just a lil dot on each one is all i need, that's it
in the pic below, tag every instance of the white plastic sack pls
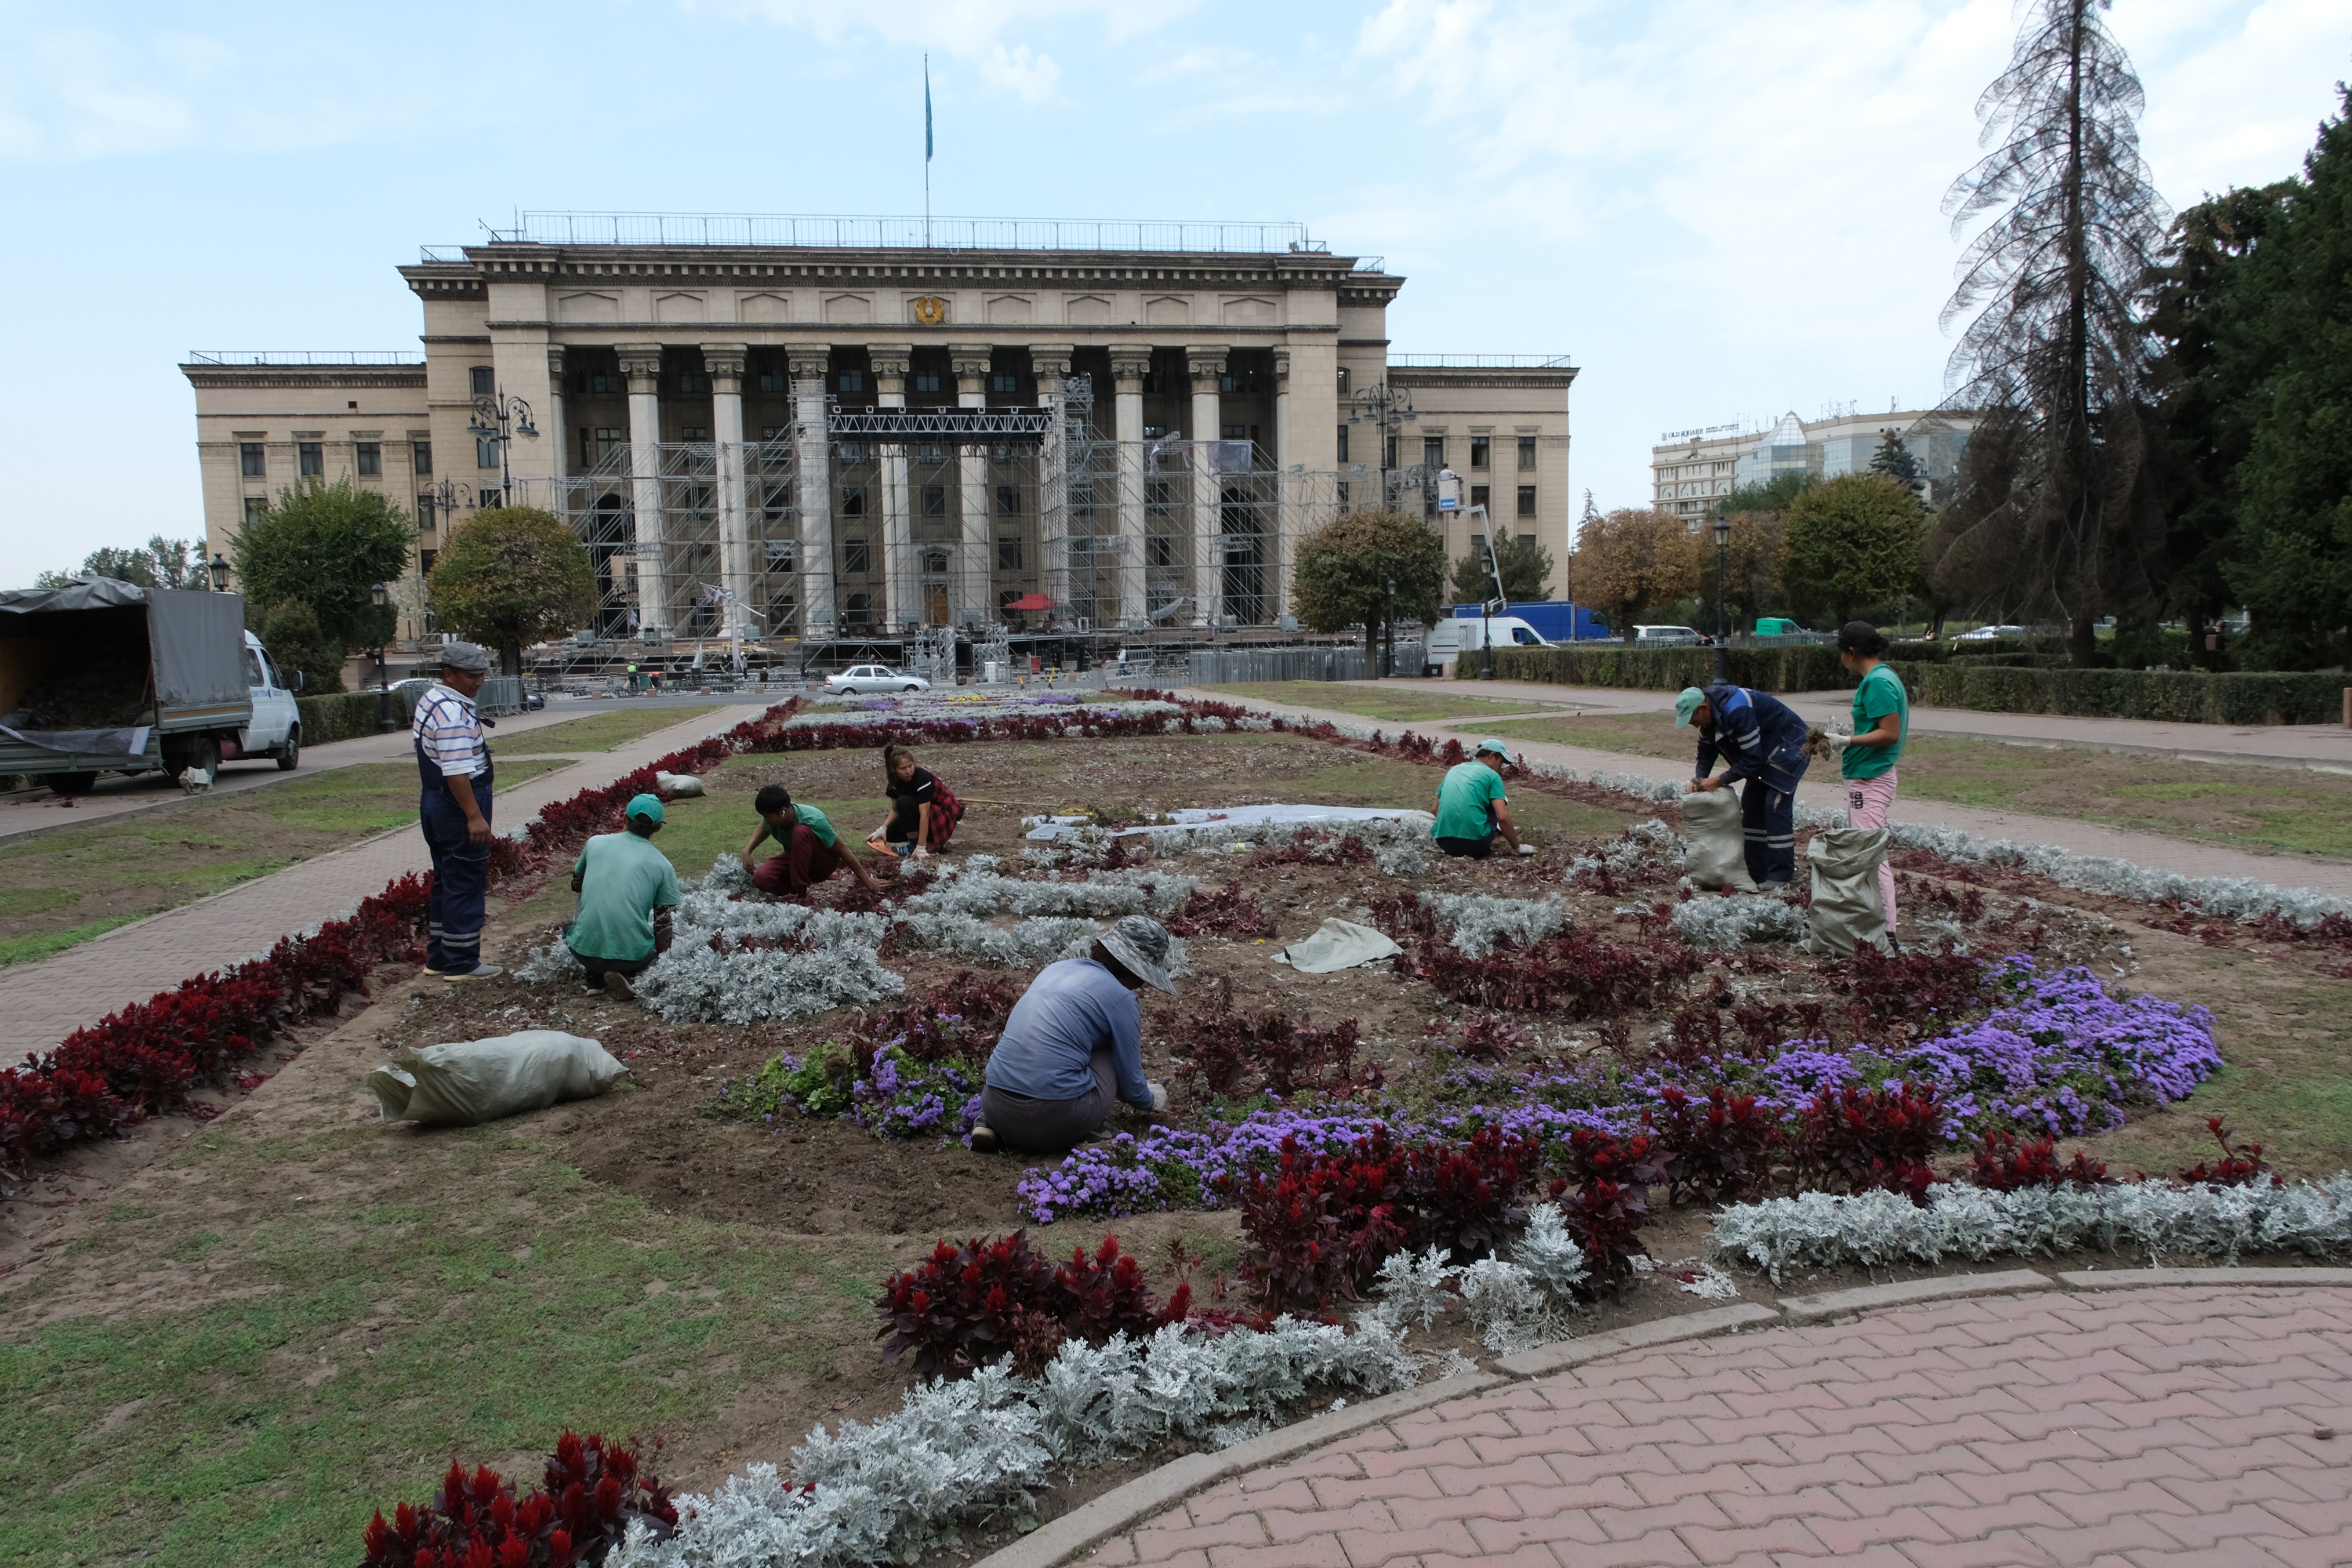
(1719, 841)
(1185, 820)
(1338, 944)
(473, 1082)
(1847, 913)
(678, 786)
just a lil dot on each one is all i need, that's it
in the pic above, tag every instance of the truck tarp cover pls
(196, 639)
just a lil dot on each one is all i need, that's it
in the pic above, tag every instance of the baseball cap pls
(649, 806)
(1495, 747)
(1687, 704)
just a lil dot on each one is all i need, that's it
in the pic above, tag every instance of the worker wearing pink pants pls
(1870, 803)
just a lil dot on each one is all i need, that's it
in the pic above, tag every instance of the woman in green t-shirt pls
(1882, 720)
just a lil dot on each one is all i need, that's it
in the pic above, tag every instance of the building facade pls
(780, 433)
(1690, 471)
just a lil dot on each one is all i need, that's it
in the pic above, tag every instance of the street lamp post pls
(379, 595)
(1722, 607)
(446, 499)
(501, 418)
(1388, 632)
(218, 569)
(1386, 409)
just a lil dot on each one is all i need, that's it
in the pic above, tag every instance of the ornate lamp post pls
(218, 569)
(1722, 609)
(1386, 409)
(447, 498)
(379, 595)
(501, 418)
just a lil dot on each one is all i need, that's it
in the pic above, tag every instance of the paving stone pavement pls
(1822, 790)
(43, 1002)
(2142, 1428)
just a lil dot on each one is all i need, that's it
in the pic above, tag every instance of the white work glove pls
(1527, 848)
(1837, 741)
(1159, 1096)
(920, 852)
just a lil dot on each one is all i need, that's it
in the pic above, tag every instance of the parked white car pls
(1667, 636)
(276, 731)
(1990, 634)
(875, 678)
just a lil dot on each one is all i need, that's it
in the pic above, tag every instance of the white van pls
(1449, 639)
(1667, 636)
(276, 731)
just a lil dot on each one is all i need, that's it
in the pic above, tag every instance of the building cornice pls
(211, 377)
(715, 265)
(1462, 376)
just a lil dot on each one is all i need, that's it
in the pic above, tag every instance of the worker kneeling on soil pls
(811, 850)
(627, 889)
(1762, 742)
(1473, 811)
(1074, 1045)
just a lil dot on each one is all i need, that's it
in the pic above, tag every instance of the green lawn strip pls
(1375, 702)
(2249, 807)
(379, 796)
(597, 731)
(380, 1343)
(24, 948)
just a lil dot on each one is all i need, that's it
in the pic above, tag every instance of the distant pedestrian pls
(1882, 723)
(1474, 809)
(452, 806)
(923, 811)
(627, 889)
(811, 850)
(1762, 743)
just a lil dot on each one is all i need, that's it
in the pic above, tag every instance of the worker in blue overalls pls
(1762, 742)
(453, 766)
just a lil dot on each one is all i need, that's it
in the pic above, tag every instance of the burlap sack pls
(472, 1081)
(1717, 856)
(1846, 911)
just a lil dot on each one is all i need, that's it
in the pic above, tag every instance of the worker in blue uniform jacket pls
(1762, 744)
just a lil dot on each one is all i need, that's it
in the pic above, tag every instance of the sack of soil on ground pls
(1846, 911)
(99, 688)
(473, 1082)
(1717, 839)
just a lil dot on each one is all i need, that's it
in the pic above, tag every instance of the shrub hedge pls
(2173, 695)
(339, 716)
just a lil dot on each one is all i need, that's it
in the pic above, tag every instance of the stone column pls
(1127, 369)
(724, 363)
(902, 579)
(1207, 366)
(813, 464)
(1051, 363)
(975, 581)
(1279, 548)
(641, 363)
(560, 455)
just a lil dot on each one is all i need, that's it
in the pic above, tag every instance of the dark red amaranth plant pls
(963, 1307)
(2241, 1164)
(961, 1017)
(1717, 1149)
(1611, 1203)
(1321, 1225)
(1911, 995)
(1106, 1293)
(2002, 1164)
(1235, 1053)
(1316, 846)
(592, 1491)
(1230, 910)
(1467, 1196)
(1578, 975)
(1855, 1140)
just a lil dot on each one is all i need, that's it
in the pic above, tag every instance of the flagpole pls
(926, 152)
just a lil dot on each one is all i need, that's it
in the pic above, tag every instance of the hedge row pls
(2175, 696)
(340, 716)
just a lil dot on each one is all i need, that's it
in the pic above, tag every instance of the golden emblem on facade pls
(931, 311)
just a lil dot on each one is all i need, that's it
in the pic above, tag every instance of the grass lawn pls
(597, 731)
(66, 888)
(1376, 701)
(2251, 807)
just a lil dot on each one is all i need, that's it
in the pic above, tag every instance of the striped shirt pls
(450, 733)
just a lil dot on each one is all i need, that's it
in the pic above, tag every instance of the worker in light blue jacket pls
(1762, 743)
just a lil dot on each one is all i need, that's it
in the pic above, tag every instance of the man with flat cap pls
(453, 766)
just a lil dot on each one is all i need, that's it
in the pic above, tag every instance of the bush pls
(1854, 1140)
(342, 717)
(1468, 1196)
(967, 1305)
(1793, 667)
(1718, 1150)
(1321, 1225)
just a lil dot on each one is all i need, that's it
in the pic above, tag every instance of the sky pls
(1723, 210)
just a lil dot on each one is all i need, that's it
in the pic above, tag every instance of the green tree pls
(2293, 561)
(290, 632)
(1346, 568)
(327, 546)
(1633, 560)
(1525, 567)
(1852, 543)
(1894, 459)
(510, 576)
(160, 563)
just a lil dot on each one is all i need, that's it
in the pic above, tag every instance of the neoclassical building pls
(854, 429)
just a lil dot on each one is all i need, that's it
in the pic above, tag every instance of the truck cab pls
(276, 730)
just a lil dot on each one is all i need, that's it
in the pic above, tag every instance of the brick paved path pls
(1822, 790)
(43, 1002)
(2143, 1426)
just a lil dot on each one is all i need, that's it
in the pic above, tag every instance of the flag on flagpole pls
(926, 108)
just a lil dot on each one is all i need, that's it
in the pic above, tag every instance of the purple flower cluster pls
(2060, 1055)
(901, 1097)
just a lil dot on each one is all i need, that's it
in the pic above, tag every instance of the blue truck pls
(1556, 620)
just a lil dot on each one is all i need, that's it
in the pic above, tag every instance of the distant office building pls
(1690, 471)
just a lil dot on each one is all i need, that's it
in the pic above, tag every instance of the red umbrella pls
(1031, 602)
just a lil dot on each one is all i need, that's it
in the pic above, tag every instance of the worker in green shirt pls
(627, 889)
(1882, 720)
(812, 851)
(1472, 809)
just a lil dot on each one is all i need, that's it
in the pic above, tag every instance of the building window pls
(422, 454)
(368, 455)
(930, 452)
(852, 452)
(1389, 456)
(1432, 450)
(1160, 551)
(1008, 500)
(250, 461)
(486, 452)
(425, 559)
(1526, 451)
(425, 512)
(1003, 381)
(693, 380)
(854, 555)
(1343, 443)
(935, 500)
(255, 508)
(310, 459)
(1008, 552)
(1343, 495)
(1234, 432)
(610, 439)
(774, 432)
(1527, 541)
(774, 380)
(485, 380)
(927, 381)
(852, 381)
(1343, 381)
(853, 501)
(608, 383)
(935, 562)
(1481, 451)
(1482, 495)
(858, 609)
(694, 432)
(1527, 500)
(780, 554)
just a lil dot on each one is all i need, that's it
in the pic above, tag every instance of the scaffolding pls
(895, 529)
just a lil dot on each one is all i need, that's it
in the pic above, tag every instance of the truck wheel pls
(73, 783)
(289, 755)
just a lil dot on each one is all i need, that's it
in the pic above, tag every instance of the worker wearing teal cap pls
(627, 889)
